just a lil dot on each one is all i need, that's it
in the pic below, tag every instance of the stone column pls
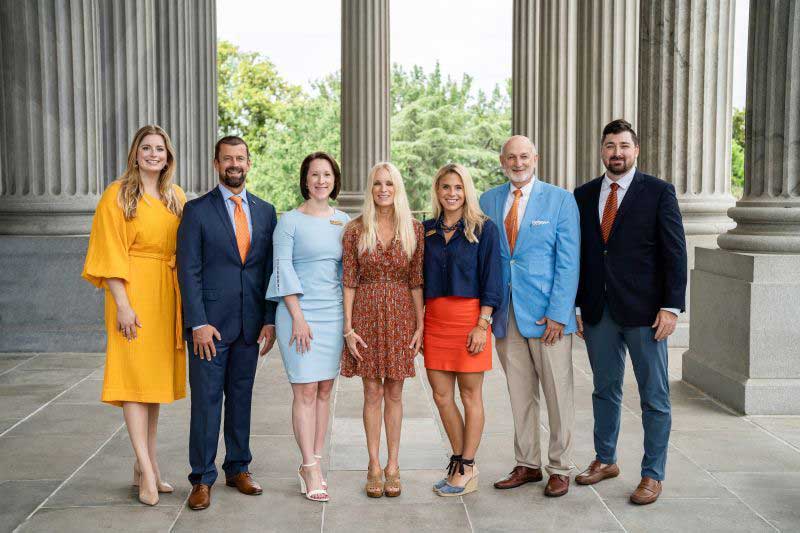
(744, 296)
(685, 84)
(186, 40)
(544, 93)
(608, 68)
(686, 79)
(128, 58)
(50, 110)
(365, 95)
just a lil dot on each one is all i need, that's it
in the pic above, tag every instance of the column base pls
(46, 306)
(350, 202)
(743, 348)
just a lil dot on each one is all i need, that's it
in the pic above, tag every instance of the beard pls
(618, 167)
(233, 180)
(516, 177)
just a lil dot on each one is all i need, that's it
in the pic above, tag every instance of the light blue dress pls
(308, 263)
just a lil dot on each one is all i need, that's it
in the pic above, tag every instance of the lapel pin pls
(337, 222)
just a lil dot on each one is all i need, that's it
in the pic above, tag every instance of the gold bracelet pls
(352, 330)
(478, 325)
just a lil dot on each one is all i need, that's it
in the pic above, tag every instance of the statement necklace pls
(459, 223)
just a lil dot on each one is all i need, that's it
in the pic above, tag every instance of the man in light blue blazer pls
(540, 252)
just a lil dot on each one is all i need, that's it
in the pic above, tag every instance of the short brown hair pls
(619, 126)
(306, 164)
(230, 140)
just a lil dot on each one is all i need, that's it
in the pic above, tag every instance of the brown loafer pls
(648, 491)
(200, 498)
(245, 483)
(557, 485)
(519, 476)
(596, 472)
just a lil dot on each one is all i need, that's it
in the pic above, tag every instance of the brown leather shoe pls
(557, 485)
(519, 476)
(200, 498)
(245, 483)
(597, 471)
(648, 491)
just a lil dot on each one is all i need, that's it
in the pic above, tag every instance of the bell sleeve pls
(416, 266)
(284, 280)
(107, 255)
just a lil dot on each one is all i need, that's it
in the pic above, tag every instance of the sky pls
(466, 36)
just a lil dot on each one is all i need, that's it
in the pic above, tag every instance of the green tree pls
(737, 153)
(437, 121)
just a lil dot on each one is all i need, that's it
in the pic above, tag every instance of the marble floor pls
(65, 463)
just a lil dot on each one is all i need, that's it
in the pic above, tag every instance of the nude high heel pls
(324, 482)
(162, 486)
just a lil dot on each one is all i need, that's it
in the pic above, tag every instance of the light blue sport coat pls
(542, 275)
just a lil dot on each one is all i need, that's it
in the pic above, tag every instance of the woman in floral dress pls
(382, 253)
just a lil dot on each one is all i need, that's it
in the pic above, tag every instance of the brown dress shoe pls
(200, 498)
(245, 483)
(597, 471)
(557, 485)
(648, 491)
(519, 476)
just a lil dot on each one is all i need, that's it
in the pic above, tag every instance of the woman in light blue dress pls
(307, 284)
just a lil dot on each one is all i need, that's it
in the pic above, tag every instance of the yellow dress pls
(141, 251)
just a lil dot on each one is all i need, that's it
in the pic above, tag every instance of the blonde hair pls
(403, 221)
(132, 188)
(472, 215)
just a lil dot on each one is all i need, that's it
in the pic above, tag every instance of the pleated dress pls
(308, 263)
(141, 252)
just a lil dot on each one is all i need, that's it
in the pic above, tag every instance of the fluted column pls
(128, 58)
(685, 84)
(365, 95)
(50, 112)
(186, 42)
(544, 94)
(768, 215)
(608, 64)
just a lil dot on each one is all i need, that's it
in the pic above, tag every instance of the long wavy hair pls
(403, 221)
(473, 216)
(132, 188)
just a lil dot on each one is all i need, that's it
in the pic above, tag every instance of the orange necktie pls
(240, 225)
(609, 212)
(511, 221)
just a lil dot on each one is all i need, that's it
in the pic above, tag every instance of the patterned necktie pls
(609, 212)
(240, 225)
(511, 221)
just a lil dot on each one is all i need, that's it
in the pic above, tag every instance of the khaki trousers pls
(527, 364)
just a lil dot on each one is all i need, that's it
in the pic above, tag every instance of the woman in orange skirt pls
(462, 288)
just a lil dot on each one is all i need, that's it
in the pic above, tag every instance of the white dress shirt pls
(605, 190)
(523, 200)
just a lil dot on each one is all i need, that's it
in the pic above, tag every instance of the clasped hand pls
(554, 331)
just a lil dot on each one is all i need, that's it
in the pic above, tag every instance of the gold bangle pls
(478, 325)
(352, 330)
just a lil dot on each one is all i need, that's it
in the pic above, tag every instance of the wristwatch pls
(487, 318)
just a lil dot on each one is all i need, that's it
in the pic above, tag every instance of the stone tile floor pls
(65, 463)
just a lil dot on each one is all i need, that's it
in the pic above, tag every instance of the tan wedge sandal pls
(392, 488)
(374, 487)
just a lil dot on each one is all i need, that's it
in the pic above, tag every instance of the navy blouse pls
(463, 268)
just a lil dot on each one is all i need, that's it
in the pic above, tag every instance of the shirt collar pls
(624, 182)
(526, 189)
(226, 193)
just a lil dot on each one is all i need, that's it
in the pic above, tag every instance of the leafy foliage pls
(737, 153)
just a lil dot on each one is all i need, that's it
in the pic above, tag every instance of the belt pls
(171, 263)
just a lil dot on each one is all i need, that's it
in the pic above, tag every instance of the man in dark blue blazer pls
(224, 260)
(632, 288)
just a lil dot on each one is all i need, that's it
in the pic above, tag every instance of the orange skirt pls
(448, 321)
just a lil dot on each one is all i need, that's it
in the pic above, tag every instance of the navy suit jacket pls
(642, 268)
(216, 288)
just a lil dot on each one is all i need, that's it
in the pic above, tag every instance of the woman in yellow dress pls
(132, 256)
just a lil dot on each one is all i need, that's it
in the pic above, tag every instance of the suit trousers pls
(230, 374)
(529, 363)
(606, 342)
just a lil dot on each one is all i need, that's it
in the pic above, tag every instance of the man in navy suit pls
(224, 260)
(632, 288)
